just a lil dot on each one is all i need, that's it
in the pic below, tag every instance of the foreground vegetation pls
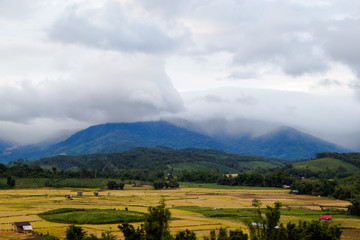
(199, 210)
(268, 227)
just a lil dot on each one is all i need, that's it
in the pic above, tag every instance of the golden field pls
(24, 205)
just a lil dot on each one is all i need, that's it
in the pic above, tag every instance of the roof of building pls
(20, 224)
(325, 217)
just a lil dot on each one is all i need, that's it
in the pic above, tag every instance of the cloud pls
(86, 62)
(18, 9)
(340, 39)
(240, 75)
(329, 82)
(112, 27)
(102, 89)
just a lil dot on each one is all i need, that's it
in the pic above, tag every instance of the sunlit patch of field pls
(25, 204)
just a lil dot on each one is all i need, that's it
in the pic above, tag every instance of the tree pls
(237, 235)
(354, 208)
(155, 227)
(107, 236)
(75, 233)
(266, 228)
(130, 233)
(173, 183)
(156, 224)
(185, 235)
(159, 184)
(10, 181)
(114, 185)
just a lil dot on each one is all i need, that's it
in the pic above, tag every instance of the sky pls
(227, 66)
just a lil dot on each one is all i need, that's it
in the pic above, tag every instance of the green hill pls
(160, 158)
(331, 164)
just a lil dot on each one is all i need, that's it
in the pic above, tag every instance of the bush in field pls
(354, 208)
(75, 233)
(185, 235)
(10, 181)
(161, 183)
(114, 185)
(46, 236)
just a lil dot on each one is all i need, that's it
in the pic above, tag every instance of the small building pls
(286, 187)
(294, 192)
(325, 218)
(68, 195)
(96, 194)
(23, 227)
(109, 193)
(138, 184)
(79, 193)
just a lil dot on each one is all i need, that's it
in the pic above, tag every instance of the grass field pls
(196, 208)
(91, 216)
(318, 165)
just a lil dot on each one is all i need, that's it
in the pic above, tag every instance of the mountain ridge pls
(284, 142)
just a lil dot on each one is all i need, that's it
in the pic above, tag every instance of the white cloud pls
(271, 63)
(112, 27)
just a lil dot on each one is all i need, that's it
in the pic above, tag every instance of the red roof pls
(325, 217)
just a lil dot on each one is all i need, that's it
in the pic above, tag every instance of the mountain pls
(5, 147)
(286, 143)
(289, 143)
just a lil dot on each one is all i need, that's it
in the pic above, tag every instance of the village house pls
(294, 192)
(23, 227)
(325, 218)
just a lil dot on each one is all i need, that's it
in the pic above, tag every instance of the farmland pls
(196, 208)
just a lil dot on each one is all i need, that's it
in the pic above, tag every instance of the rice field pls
(198, 209)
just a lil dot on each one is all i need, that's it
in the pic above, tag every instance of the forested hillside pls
(159, 158)
(352, 158)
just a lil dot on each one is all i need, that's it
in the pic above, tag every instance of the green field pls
(247, 214)
(202, 166)
(91, 216)
(318, 165)
(217, 186)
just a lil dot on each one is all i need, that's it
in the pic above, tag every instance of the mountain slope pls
(116, 137)
(4, 146)
(331, 164)
(289, 143)
(286, 143)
